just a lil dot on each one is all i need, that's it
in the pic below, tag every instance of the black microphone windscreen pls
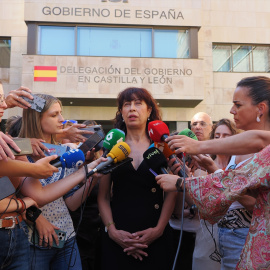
(155, 159)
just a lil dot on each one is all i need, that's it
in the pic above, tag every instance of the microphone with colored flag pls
(165, 149)
(151, 145)
(168, 153)
(189, 133)
(155, 160)
(71, 159)
(158, 131)
(118, 153)
(113, 137)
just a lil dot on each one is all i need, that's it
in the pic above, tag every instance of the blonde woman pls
(46, 125)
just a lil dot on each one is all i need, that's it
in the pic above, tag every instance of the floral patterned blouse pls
(213, 194)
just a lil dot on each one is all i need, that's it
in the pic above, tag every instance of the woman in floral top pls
(251, 111)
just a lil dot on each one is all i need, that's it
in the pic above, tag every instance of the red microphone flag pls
(158, 131)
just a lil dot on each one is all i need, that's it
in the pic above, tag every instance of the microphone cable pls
(82, 207)
(182, 216)
(215, 255)
(13, 198)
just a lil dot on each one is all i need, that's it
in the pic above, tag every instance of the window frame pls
(253, 45)
(10, 39)
(36, 36)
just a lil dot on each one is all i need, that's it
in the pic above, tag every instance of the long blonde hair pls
(31, 119)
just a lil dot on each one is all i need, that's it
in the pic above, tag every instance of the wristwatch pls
(179, 183)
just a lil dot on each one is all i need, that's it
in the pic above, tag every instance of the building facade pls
(188, 54)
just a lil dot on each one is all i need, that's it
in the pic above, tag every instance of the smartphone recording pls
(37, 103)
(94, 128)
(24, 144)
(92, 142)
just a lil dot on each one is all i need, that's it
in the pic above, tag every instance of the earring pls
(258, 119)
(148, 119)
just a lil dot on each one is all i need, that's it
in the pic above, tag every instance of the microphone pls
(151, 145)
(189, 133)
(168, 153)
(113, 137)
(155, 160)
(71, 159)
(165, 149)
(158, 131)
(118, 153)
(110, 168)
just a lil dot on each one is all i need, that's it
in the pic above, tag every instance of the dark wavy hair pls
(13, 125)
(258, 89)
(133, 93)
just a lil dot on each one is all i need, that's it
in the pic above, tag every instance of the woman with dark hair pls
(251, 111)
(13, 125)
(136, 216)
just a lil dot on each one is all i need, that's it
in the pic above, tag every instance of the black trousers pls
(184, 260)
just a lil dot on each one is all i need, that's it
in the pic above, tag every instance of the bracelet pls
(23, 205)
(179, 183)
(86, 170)
(108, 225)
(18, 206)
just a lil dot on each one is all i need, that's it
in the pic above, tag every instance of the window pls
(171, 43)
(97, 41)
(109, 41)
(241, 58)
(56, 40)
(5, 48)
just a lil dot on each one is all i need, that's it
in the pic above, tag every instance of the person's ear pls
(262, 108)
(149, 111)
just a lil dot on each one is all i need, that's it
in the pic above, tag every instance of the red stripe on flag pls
(45, 79)
(45, 68)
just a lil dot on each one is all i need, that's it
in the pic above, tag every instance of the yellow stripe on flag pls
(45, 73)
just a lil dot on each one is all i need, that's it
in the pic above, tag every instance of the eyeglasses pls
(201, 123)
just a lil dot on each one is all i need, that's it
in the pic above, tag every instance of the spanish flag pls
(45, 73)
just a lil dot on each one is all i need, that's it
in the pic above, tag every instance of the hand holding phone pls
(15, 98)
(24, 144)
(5, 143)
(37, 103)
(91, 143)
(94, 128)
(61, 235)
